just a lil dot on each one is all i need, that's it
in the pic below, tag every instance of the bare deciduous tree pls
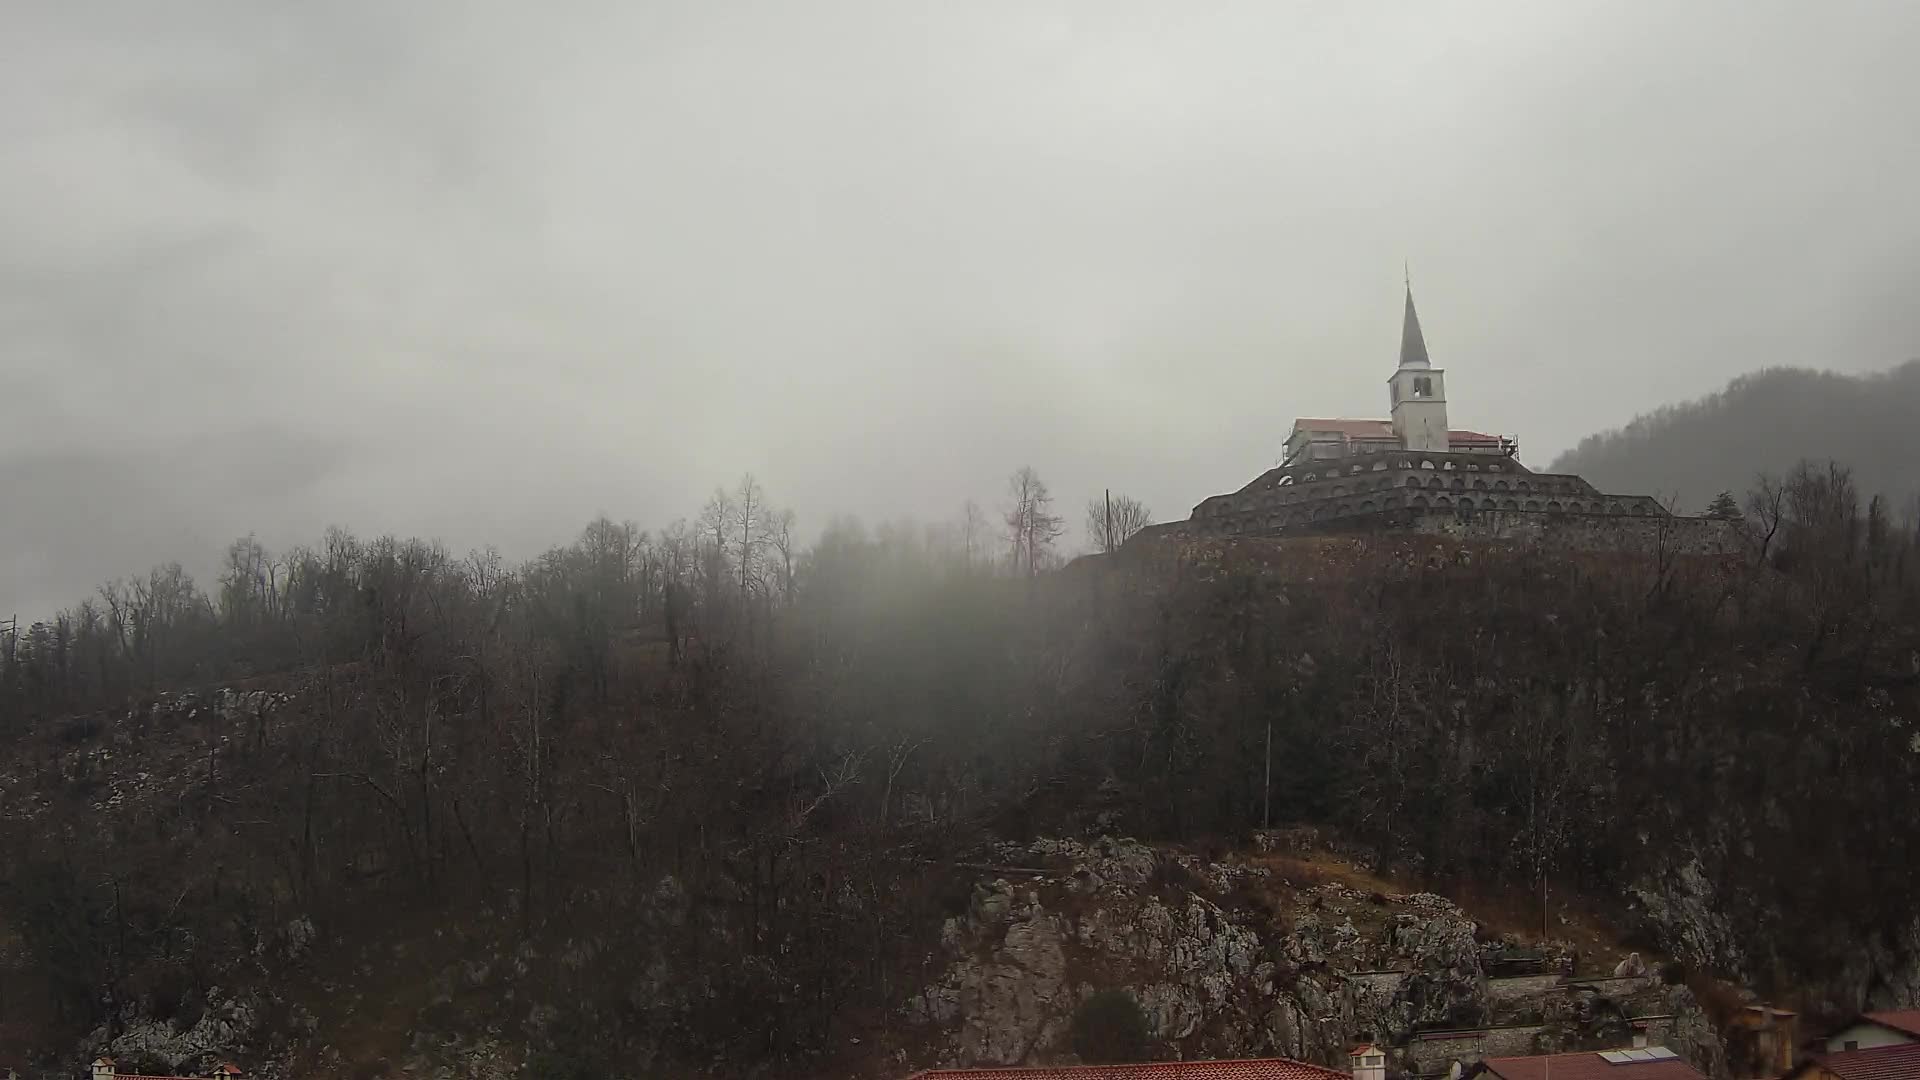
(1112, 520)
(778, 535)
(749, 519)
(715, 529)
(1032, 526)
(973, 530)
(1766, 505)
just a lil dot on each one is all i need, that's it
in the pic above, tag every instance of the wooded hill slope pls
(1764, 423)
(714, 824)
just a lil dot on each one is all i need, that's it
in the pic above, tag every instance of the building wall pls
(1420, 420)
(1869, 1036)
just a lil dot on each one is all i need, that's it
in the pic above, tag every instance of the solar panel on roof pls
(1615, 1057)
(1661, 1053)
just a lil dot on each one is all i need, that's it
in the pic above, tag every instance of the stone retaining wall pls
(1586, 532)
(1618, 986)
(1430, 1053)
(1514, 988)
(1642, 534)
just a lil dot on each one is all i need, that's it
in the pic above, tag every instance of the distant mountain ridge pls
(1763, 423)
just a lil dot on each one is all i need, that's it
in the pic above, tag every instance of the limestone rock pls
(1684, 907)
(1693, 1036)
(1010, 1004)
(224, 1026)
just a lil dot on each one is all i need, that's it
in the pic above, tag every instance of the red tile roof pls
(1588, 1066)
(228, 1069)
(1382, 429)
(1900, 1062)
(1264, 1069)
(1353, 429)
(1907, 1020)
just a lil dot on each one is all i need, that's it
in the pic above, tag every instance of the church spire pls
(1413, 344)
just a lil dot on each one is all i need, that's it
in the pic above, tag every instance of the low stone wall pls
(1372, 993)
(1514, 988)
(1378, 982)
(1586, 532)
(1644, 533)
(1431, 1053)
(1618, 986)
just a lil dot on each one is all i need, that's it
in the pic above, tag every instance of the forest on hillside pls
(743, 769)
(1763, 423)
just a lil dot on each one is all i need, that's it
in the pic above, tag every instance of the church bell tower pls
(1419, 391)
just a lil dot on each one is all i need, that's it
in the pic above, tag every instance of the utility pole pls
(1106, 540)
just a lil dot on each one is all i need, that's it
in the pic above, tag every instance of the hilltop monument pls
(1414, 470)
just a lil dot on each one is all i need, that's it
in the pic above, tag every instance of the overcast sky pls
(483, 270)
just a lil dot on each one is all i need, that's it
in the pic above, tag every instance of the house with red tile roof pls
(1260, 1069)
(1640, 1063)
(1868, 1031)
(1368, 1063)
(1899, 1061)
(105, 1068)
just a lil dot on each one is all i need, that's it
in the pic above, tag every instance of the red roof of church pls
(1588, 1066)
(1381, 429)
(1901, 1062)
(1264, 1069)
(1352, 429)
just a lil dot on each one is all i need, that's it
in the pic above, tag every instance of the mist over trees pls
(751, 767)
(1763, 423)
(703, 583)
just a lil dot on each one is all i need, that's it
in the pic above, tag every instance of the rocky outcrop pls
(1226, 959)
(222, 1028)
(1210, 978)
(1711, 926)
(1010, 1001)
(1692, 1035)
(1683, 905)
